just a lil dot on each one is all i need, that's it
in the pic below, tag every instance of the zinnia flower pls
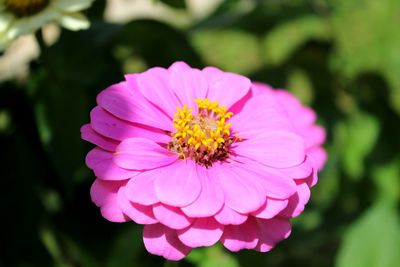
(202, 156)
(19, 17)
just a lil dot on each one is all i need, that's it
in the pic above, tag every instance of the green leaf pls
(281, 42)
(355, 140)
(126, 248)
(367, 39)
(387, 180)
(62, 89)
(232, 50)
(374, 240)
(49, 239)
(300, 84)
(5, 121)
(213, 256)
(147, 50)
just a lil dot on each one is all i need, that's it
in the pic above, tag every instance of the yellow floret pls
(197, 136)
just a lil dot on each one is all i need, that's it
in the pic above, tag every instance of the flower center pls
(205, 137)
(22, 8)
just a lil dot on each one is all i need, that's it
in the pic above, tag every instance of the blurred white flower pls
(20, 17)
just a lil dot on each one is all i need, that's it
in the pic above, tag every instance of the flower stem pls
(171, 263)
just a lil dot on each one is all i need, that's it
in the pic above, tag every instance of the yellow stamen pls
(203, 137)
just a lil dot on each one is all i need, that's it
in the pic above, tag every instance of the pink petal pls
(102, 190)
(171, 216)
(126, 102)
(271, 208)
(297, 202)
(318, 156)
(142, 154)
(300, 171)
(271, 232)
(154, 85)
(260, 115)
(238, 188)
(104, 195)
(179, 66)
(314, 136)
(211, 198)
(228, 216)
(141, 190)
(138, 213)
(188, 85)
(273, 181)
(237, 237)
(178, 185)
(300, 114)
(162, 241)
(88, 134)
(110, 126)
(265, 94)
(259, 89)
(225, 87)
(102, 163)
(277, 149)
(313, 179)
(203, 232)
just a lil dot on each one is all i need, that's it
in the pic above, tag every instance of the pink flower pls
(202, 156)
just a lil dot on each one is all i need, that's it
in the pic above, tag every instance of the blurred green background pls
(342, 57)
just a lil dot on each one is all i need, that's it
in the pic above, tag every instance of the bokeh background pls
(341, 57)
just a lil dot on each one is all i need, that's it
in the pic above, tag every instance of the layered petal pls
(102, 163)
(104, 195)
(203, 232)
(243, 236)
(300, 171)
(258, 116)
(188, 84)
(297, 202)
(142, 154)
(152, 84)
(171, 216)
(88, 134)
(259, 89)
(112, 127)
(141, 189)
(314, 135)
(211, 198)
(126, 102)
(225, 87)
(138, 213)
(270, 208)
(178, 185)
(270, 232)
(162, 241)
(274, 182)
(318, 156)
(229, 216)
(237, 188)
(279, 149)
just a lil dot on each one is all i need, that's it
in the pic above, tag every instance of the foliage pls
(341, 57)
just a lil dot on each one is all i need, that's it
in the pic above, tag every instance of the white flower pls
(19, 17)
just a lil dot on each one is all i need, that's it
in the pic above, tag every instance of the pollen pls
(204, 136)
(22, 8)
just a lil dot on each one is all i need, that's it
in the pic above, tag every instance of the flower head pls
(20, 17)
(202, 156)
